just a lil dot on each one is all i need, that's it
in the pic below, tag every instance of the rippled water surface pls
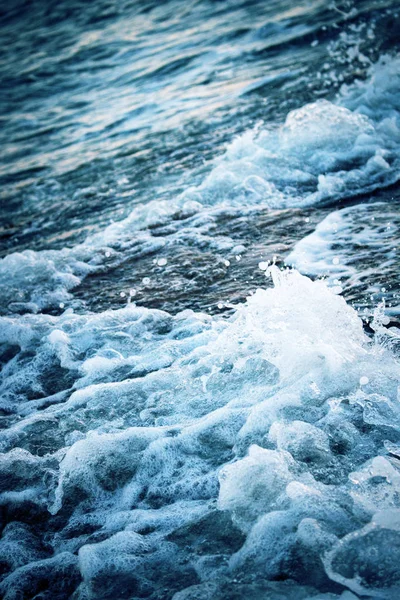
(182, 415)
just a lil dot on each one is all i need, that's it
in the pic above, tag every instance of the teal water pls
(179, 419)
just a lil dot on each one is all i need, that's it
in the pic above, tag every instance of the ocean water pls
(199, 300)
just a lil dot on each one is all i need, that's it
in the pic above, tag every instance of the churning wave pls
(196, 452)
(323, 152)
(250, 450)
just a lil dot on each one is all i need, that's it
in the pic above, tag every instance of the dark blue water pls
(179, 419)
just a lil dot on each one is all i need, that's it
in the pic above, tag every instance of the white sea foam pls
(351, 247)
(324, 151)
(200, 449)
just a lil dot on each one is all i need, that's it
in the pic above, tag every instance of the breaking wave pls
(323, 152)
(194, 453)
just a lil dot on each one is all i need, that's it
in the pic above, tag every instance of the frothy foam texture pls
(349, 245)
(151, 456)
(323, 152)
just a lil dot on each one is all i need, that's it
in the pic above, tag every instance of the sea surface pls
(200, 300)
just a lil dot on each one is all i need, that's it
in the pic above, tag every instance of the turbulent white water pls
(324, 151)
(249, 451)
(278, 428)
(352, 246)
